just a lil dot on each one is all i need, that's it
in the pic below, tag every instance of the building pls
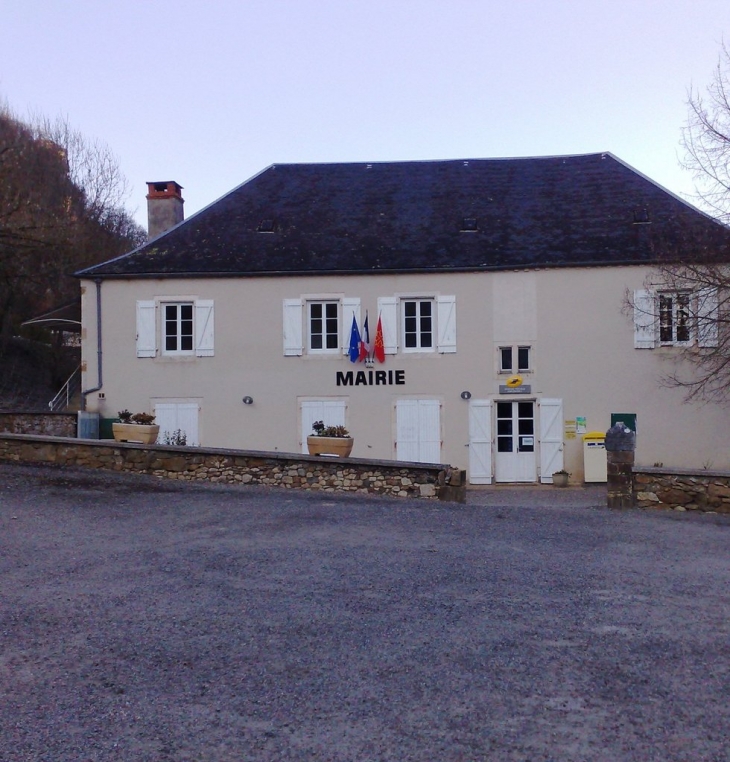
(500, 287)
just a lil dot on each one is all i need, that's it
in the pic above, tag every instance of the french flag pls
(365, 340)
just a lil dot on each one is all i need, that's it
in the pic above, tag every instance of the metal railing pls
(62, 400)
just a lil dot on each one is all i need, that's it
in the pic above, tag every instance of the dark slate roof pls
(431, 216)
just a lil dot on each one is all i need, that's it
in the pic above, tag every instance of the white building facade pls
(498, 366)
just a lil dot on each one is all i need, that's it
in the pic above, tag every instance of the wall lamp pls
(248, 400)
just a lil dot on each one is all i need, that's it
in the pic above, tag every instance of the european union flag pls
(354, 341)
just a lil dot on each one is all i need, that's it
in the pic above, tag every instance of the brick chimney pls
(164, 207)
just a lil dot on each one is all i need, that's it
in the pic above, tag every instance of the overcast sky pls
(210, 93)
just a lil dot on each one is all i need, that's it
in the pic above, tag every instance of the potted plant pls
(560, 478)
(329, 440)
(135, 427)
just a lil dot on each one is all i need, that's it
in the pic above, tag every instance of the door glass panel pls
(504, 427)
(526, 426)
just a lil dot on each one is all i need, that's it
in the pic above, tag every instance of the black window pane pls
(504, 444)
(504, 410)
(523, 358)
(504, 427)
(506, 359)
(526, 426)
(524, 409)
(666, 331)
(170, 343)
(186, 343)
(186, 311)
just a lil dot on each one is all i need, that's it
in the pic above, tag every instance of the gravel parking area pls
(147, 620)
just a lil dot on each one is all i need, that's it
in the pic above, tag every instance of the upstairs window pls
(515, 359)
(319, 324)
(175, 328)
(178, 328)
(674, 318)
(324, 332)
(418, 324)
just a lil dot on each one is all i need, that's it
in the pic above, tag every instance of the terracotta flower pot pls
(135, 432)
(340, 446)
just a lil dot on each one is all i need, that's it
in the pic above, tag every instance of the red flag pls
(379, 350)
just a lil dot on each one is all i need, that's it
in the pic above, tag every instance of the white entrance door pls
(480, 442)
(551, 438)
(515, 458)
(331, 412)
(175, 417)
(418, 431)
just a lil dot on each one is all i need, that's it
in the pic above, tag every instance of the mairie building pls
(470, 312)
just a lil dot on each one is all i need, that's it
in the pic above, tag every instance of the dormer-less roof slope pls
(431, 216)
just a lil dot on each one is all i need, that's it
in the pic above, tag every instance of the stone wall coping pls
(694, 472)
(227, 452)
(55, 413)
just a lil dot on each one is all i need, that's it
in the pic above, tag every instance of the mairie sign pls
(371, 378)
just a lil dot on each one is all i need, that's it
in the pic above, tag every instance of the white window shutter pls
(146, 329)
(429, 434)
(645, 321)
(204, 328)
(293, 327)
(480, 441)
(388, 312)
(707, 314)
(406, 434)
(446, 319)
(350, 307)
(166, 419)
(187, 422)
(551, 438)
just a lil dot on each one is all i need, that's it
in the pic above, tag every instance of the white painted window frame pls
(703, 318)
(150, 323)
(391, 313)
(297, 339)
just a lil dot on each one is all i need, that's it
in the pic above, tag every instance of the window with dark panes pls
(178, 328)
(324, 326)
(418, 324)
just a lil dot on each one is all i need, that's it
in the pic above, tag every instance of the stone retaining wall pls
(291, 470)
(48, 424)
(685, 490)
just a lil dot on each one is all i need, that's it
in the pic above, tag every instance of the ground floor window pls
(332, 411)
(178, 422)
(418, 430)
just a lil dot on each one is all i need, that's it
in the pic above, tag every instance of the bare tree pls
(706, 140)
(61, 209)
(683, 310)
